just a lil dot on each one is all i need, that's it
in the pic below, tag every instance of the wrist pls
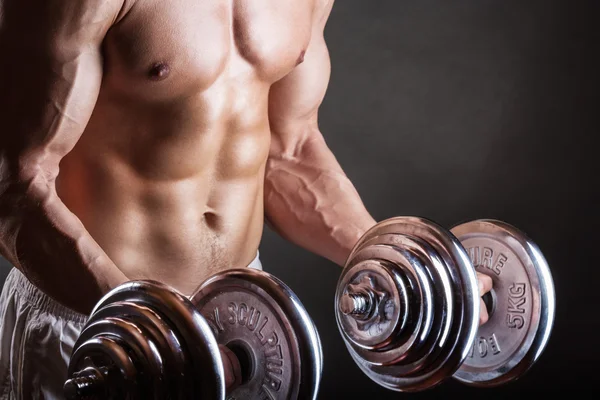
(353, 234)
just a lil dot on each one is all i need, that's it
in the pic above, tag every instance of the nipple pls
(159, 71)
(301, 58)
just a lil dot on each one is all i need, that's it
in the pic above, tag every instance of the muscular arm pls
(50, 74)
(308, 198)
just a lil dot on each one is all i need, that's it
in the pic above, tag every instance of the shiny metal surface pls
(90, 383)
(423, 332)
(154, 343)
(359, 304)
(104, 352)
(260, 318)
(518, 330)
(380, 299)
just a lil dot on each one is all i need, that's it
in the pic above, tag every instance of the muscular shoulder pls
(59, 20)
(88, 14)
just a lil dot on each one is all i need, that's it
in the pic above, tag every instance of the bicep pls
(50, 75)
(294, 101)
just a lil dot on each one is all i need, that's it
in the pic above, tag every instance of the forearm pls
(49, 244)
(311, 202)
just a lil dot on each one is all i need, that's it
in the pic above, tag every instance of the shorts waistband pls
(256, 264)
(40, 300)
(30, 293)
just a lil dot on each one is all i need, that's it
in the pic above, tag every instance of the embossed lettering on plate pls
(485, 257)
(243, 320)
(502, 335)
(485, 346)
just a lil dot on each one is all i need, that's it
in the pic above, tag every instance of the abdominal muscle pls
(170, 193)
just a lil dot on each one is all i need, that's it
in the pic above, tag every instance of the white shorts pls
(37, 335)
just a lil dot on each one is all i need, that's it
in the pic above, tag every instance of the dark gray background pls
(456, 110)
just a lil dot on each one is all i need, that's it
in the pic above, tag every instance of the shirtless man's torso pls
(171, 123)
(168, 174)
(148, 139)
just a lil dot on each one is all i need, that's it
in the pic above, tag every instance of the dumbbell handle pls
(92, 383)
(360, 305)
(356, 304)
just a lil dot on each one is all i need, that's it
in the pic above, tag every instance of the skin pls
(152, 140)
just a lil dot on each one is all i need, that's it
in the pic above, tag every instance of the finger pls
(485, 283)
(483, 314)
(231, 367)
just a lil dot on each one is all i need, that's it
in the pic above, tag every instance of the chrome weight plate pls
(145, 341)
(407, 304)
(264, 323)
(522, 302)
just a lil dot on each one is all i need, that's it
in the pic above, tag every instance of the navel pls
(159, 71)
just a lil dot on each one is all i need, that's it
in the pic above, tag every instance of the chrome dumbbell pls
(407, 303)
(146, 341)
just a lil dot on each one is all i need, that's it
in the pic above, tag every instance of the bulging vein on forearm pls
(315, 207)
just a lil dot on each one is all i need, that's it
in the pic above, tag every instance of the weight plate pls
(443, 303)
(372, 307)
(150, 340)
(157, 339)
(262, 321)
(523, 291)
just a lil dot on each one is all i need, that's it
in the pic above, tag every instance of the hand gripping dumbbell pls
(407, 303)
(144, 340)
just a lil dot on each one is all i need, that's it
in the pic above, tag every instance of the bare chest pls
(173, 46)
